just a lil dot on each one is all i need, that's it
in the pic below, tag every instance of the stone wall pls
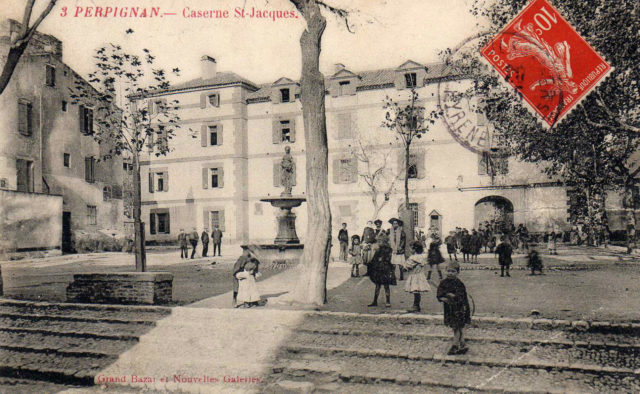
(121, 288)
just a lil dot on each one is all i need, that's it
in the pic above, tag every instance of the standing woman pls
(381, 271)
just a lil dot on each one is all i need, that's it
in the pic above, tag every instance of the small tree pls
(376, 172)
(409, 122)
(18, 43)
(128, 120)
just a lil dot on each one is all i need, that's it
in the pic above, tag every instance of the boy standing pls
(457, 313)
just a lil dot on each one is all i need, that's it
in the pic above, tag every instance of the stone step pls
(70, 333)
(153, 309)
(77, 312)
(559, 357)
(510, 328)
(69, 343)
(450, 372)
(53, 367)
(21, 386)
(291, 384)
(46, 323)
(80, 319)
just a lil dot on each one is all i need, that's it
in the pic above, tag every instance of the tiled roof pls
(368, 80)
(221, 78)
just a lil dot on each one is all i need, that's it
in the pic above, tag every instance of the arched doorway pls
(496, 210)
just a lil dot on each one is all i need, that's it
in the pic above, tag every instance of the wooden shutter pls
(336, 171)
(152, 223)
(23, 118)
(421, 215)
(219, 129)
(292, 130)
(205, 218)
(203, 100)
(151, 188)
(420, 164)
(204, 135)
(168, 224)
(277, 177)
(81, 117)
(221, 219)
(276, 132)
(220, 177)
(166, 180)
(205, 178)
(353, 170)
(217, 100)
(87, 169)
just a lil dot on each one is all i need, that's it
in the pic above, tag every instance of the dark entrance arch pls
(496, 210)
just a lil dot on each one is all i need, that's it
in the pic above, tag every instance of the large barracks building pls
(226, 157)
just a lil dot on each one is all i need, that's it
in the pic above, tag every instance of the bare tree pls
(18, 43)
(376, 172)
(129, 82)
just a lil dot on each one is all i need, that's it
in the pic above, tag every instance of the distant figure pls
(504, 252)
(343, 239)
(450, 241)
(184, 250)
(457, 313)
(551, 243)
(368, 242)
(216, 238)
(434, 256)
(288, 168)
(355, 256)
(534, 262)
(205, 242)
(248, 294)
(397, 241)
(193, 239)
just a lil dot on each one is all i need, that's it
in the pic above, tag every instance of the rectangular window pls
(64, 106)
(410, 80)
(92, 215)
(415, 209)
(66, 160)
(50, 75)
(86, 119)
(160, 182)
(163, 140)
(214, 100)
(162, 222)
(342, 87)
(284, 96)
(24, 176)
(285, 127)
(213, 135)
(89, 169)
(25, 115)
(345, 170)
(214, 177)
(215, 219)
(413, 166)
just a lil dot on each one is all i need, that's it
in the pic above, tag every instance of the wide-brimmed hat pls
(400, 222)
(377, 222)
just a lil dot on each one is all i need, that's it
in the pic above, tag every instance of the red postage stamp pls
(545, 59)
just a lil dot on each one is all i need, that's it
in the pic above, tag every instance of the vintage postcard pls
(331, 196)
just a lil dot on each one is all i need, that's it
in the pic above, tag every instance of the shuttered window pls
(89, 169)
(345, 170)
(86, 119)
(410, 80)
(283, 131)
(92, 215)
(50, 75)
(25, 125)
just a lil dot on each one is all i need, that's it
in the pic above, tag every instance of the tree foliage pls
(593, 148)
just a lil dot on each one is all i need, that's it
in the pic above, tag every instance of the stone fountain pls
(286, 247)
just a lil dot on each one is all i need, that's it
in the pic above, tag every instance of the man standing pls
(343, 238)
(216, 237)
(205, 242)
(397, 241)
(182, 239)
(193, 239)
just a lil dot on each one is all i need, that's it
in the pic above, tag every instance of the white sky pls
(387, 32)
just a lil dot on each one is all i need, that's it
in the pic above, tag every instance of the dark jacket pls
(368, 236)
(504, 252)
(193, 237)
(399, 244)
(182, 239)
(239, 266)
(381, 271)
(216, 236)
(457, 312)
(343, 235)
(204, 238)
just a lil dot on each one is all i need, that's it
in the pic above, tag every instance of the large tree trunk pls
(311, 287)
(405, 213)
(138, 227)
(9, 67)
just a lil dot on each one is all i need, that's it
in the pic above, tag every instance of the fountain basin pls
(276, 255)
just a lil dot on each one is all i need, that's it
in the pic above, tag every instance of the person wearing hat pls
(381, 271)
(184, 249)
(434, 256)
(457, 313)
(397, 241)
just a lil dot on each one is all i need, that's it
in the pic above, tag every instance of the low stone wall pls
(121, 288)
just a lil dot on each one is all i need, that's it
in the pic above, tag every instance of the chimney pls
(208, 67)
(338, 67)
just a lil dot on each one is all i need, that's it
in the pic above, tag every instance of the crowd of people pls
(192, 239)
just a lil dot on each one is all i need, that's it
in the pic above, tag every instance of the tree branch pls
(339, 12)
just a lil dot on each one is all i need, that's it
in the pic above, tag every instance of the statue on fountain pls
(288, 172)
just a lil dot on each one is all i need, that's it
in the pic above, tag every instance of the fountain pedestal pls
(286, 247)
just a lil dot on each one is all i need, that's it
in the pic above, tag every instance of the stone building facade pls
(226, 158)
(46, 146)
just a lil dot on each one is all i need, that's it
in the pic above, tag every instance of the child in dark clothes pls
(457, 313)
(534, 262)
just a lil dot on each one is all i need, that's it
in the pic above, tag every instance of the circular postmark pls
(461, 111)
